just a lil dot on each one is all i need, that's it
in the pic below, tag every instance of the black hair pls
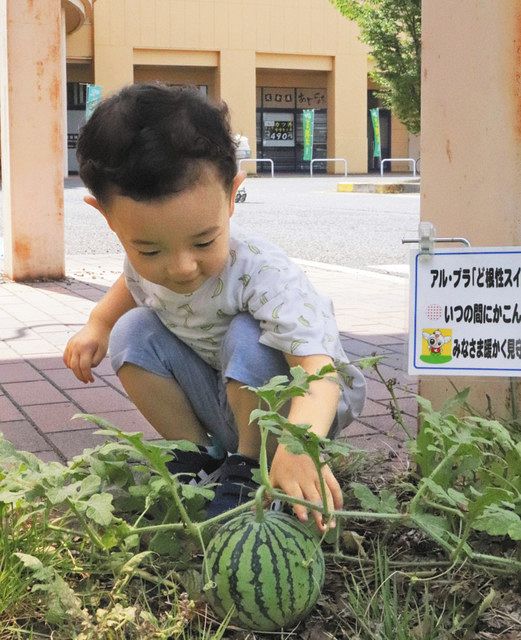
(150, 141)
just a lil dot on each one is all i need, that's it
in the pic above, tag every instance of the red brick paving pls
(39, 395)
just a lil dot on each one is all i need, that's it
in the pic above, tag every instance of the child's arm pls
(296, 474)
(88, 347)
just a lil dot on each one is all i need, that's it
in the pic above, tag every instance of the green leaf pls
(489, 498)
(438, 525)
(425, 405)
(99, 508)
(496, 521)
(385, 502)
(456, 402)
(57, 495)
(30, 562)
(189, 492)
(514, 531)
(292, 444)
(370, 362)
(336, 448)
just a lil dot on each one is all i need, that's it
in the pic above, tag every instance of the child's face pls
(178, 242)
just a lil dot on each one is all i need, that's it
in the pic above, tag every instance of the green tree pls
(392, 30)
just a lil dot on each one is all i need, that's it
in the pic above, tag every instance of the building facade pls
(268, 59)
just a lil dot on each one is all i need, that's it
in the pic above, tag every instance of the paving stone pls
(356, 429)
(39, 392)
(377, 390)
(100, 399)
(49, 456)
(23, 435)
(130, 421)
(65, 379)
(386, 424)
(114, 381)
(18, 372)
(104, 368)
(45, 362)
(33, 347)
(407, 405)
(373, 443)
(55, 417)
(73, 444)
(8, 411)
(372, 408)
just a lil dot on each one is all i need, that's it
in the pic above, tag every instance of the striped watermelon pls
(271, 571)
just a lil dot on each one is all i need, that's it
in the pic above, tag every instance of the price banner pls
(375, 119)
(308, 120)
(465, 312)
(94, 92)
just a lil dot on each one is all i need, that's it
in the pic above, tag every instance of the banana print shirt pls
(259, 279)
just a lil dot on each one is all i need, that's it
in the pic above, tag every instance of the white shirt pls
(259, 279)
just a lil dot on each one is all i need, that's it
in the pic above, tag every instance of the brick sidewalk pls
(38, 395)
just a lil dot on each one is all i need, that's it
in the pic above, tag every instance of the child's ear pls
(92, 202)
(237, 181)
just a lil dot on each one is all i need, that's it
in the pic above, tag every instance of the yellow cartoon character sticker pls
(436, 346)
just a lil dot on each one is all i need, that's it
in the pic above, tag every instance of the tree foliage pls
(392, 30)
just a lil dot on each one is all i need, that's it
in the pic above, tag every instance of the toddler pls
(200, 310)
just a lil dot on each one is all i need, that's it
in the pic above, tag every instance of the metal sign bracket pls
(427, 238)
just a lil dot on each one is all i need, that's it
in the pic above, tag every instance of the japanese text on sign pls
(466, 312)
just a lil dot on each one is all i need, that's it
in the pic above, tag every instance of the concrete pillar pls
(471, 139)
(31, 99)
(236, 82)
(347, 113)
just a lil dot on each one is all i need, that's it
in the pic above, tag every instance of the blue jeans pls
(140, 338)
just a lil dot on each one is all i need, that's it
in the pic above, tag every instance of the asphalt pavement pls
(306, 216)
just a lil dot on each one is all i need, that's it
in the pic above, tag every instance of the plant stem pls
(444, 545)
(226, 515)
(92, 534)
(263, 459)
(259, 503)
(424, 486)
(64, 530)
(368, 515)
(318, 467)
(515, 565)
(173, 484)
(394, 401)
(396, 564)
(141, 573)
(442, 507)
(364, 515)
(462, 541)
(173, 526)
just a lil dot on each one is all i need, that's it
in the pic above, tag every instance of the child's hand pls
(86, 349)
(296, 475)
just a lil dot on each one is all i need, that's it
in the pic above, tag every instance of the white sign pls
(465, 312)
(278, 130)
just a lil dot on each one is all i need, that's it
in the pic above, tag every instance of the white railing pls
(259, 160)
(327, 160)
(411, 160)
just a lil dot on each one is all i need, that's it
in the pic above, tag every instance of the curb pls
(373, 187)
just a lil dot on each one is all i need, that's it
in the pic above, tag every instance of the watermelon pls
(269, 571)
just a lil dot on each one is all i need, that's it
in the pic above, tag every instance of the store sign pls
(278, 130)
(465, 311)
(93, 99)
(311, 99)
(308, 120)
(278, 98)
